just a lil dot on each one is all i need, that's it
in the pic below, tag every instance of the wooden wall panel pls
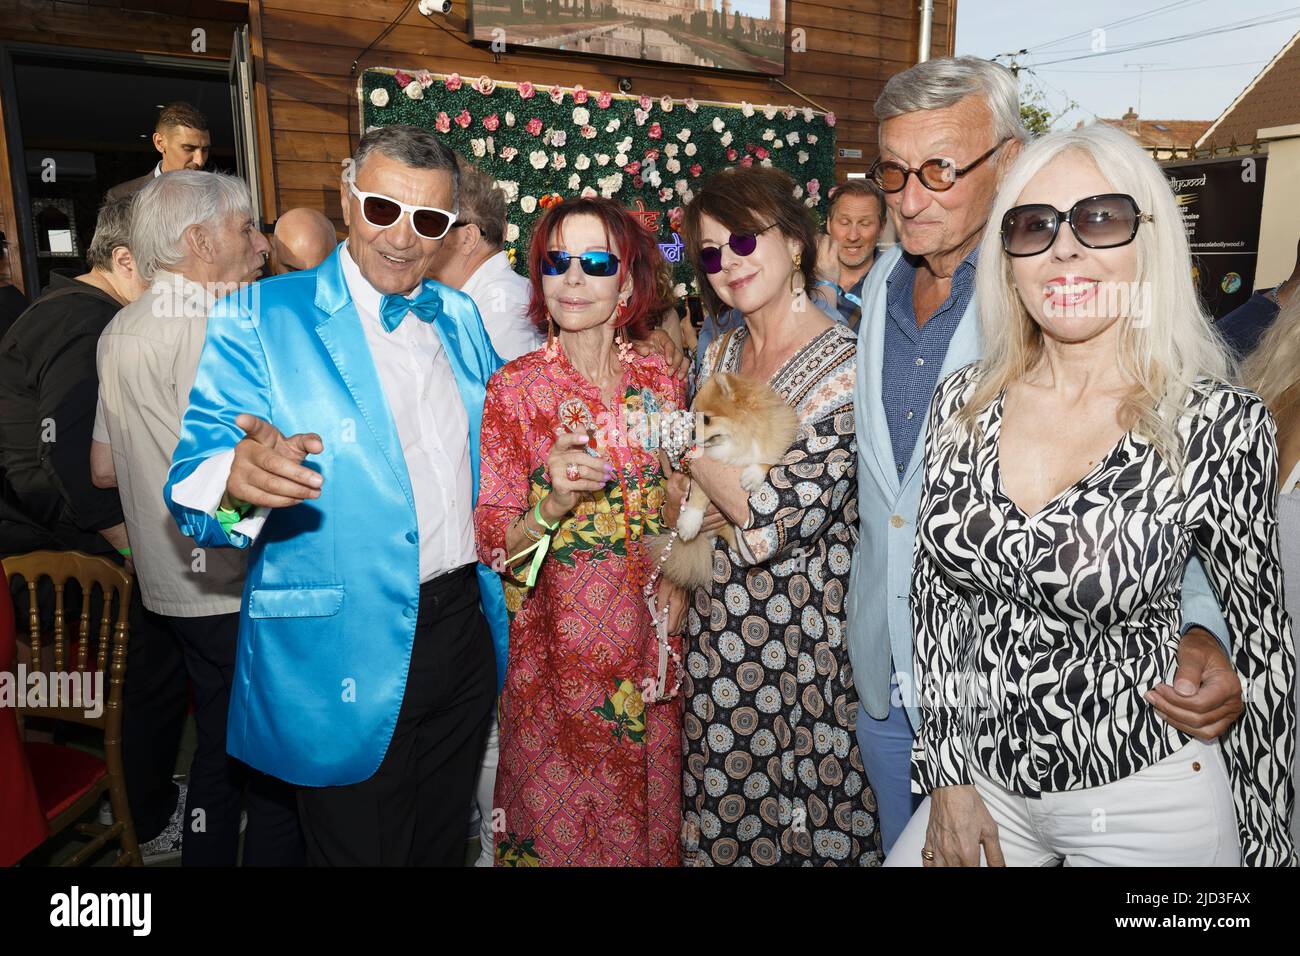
(852, 47)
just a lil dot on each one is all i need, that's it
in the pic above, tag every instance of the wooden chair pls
(69, 781)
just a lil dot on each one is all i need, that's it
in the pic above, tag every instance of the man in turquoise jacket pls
(366, 670)
(961, 119)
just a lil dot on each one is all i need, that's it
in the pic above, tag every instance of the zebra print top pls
(1036, 637)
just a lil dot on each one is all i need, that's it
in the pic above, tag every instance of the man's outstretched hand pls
(267, 470)
(1205, 697)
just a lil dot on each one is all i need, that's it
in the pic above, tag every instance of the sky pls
(1190, 79)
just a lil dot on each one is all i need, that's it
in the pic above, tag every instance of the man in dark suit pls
(182, 138)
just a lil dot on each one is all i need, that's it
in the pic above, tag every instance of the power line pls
(1278, 16)
(1105, 26)
(1171, 69)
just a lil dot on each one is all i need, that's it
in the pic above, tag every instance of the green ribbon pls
(541, 545)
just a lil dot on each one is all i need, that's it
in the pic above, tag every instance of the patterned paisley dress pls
(772, 772)
(589, 771)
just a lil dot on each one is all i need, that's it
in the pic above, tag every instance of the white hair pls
(1166, 343)
(171, 204)
(940, 83)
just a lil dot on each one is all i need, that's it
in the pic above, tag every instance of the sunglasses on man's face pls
(1098, 222)
(382, 211)
(600, 264)
(936, 175)
(742, 244)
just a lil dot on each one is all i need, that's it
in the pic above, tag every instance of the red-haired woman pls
(590, 762)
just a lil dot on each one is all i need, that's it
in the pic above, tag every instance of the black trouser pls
(411, 812)
(153, 697)
(218, 783)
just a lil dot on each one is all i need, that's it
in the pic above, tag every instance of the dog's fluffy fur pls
(739, 421)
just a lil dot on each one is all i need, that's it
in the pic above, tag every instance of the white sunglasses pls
(383, 211)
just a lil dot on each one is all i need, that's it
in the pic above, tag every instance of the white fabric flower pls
(803, 157)
(582, 162)
(414, 90)
(602, 159)
(812, 139)
(612, 126)
(769, 135)
(558, 161)
(683, 134)
(610, 184)
(792, 137)
(581, 116)
(558, 138)
(379, 97)
(726, 138)
(528, 204)
(575, 181)
(510, 118)
(510, 188)
(769, 111)
(798, 192)
(681, 187)
(673, 166)
(718, 125)
(666, 103)
(479, 147)
(537, 158)
(670, 149)
(654, 179)
(746, 109)
(679, 290)
(512, 233)
(807, 114)
(690, 149)
(624, 145)
(588, 193)
(621, 159)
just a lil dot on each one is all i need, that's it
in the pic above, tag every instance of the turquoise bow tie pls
(393, 308)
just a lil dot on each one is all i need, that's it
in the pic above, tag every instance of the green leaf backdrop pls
(649, 153)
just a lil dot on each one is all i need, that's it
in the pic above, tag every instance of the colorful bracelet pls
(124, 552)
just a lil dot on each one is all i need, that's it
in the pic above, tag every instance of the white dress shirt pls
(502, 295)
(432, 426)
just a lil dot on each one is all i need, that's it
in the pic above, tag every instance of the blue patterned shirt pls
(914, 356)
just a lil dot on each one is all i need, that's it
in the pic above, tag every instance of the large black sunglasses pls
(742, 244)
(936, 175)
(1098, 222)
(556, 263)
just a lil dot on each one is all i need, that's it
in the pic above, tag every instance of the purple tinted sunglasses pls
(742, 244)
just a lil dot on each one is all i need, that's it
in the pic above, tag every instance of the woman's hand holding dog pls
(678, 485)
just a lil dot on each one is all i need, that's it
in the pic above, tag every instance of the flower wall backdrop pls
(544, 145)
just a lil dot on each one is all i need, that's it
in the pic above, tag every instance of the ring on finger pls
(927, 854)
(571, 471)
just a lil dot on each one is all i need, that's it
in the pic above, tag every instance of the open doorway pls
(85, 121)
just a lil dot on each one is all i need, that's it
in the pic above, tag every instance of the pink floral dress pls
(589, 771)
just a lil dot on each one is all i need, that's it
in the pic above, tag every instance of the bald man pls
(303, 238)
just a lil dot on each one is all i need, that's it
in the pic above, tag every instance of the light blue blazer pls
(879, 619)
(332, 593)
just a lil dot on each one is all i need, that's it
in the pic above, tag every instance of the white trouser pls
(487, 781)
(1177, 812)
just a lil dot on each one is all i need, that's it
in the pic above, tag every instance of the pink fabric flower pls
(656, 131)
(424, 78)
(492, 123)
(485, 85)
(652, 155)
(638, 182)
(789, 112)
(580, 95)
(603, 99)
(443, 123)
(402, 79)
(526, 90)
(676, 216)
(665, 194)
(557, 94)
(453, 82)
(534, 127)
(814, 187)
(747, 161)
(464, 119)
(645, 102)
(732, 154)
(761, 152)
(830, 119)
(691, 104)
(632, 168)
(696, 168)
(640, 116)
(588, 193)
(587, 132)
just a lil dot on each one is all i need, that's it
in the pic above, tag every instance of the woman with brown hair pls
(773, 775)
(590, 754)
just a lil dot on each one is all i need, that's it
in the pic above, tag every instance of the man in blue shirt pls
(949, 130)
(848, 250)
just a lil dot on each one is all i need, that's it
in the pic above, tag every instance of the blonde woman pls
(1273, 371)
(1069, 476)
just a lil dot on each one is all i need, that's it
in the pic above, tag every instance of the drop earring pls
(796, 275)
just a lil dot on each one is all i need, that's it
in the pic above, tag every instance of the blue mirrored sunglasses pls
(556, 263)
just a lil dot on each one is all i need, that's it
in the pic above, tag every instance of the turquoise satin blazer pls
(330, 602)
